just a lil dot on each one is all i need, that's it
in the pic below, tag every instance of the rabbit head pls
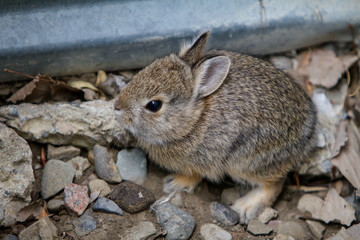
(164, 101)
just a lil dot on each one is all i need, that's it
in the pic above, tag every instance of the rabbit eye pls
(154, 105)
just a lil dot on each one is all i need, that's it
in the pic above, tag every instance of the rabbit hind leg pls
(251, 205)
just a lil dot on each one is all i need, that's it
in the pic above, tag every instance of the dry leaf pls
(335, 209)
(325, 68)
(340, 138)
(113, 85)
(43, 88)
(348, 161)
(85, 86)
(32, 211)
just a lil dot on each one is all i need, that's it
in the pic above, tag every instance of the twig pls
(18, 73)
(306, 188)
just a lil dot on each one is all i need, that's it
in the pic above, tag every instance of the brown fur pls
(256, 127)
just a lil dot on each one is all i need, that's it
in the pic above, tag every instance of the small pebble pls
(80, 164)
(310, 203)
(317, 229)
(54, 205)
(178, 223)
(62, 153)
(99, 185)
(256, 227)
(131, 197)
(107, 206)
(267, 215)
(84, 224)
(177, 200)
(224, 214)
(142, 230)
(76, 198)
(105, 167)
(55, 176)
(211, 231)
(132, 165)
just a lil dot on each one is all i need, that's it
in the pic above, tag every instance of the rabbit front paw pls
(179, 182)
(248, 207)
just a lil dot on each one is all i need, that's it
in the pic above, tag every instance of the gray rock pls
(99, 185)
(56, 175)
(292, 228)
(107, 206)
(47, 230)
(283, 237)
(211, 231)
(178, 223)
(104, 165)
(131, 197)
(43, 229)
(11, 237)
(84, 224)
(267, 215)
(80, 124)
(316, 228)
(224, 214)
(256, 227)
(310, 203)
(62, 153)
(80, 164)
(55, 205)
(141, 231)
(132, 165)
(342, 235)
(16, 174)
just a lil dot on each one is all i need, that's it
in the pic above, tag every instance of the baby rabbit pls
(208, 115)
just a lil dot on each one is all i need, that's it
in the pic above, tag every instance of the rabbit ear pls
(210, 75)
(193, 51)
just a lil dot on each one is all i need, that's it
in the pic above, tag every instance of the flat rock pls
(354, 230)
(79, 124)
(256, 227)
(76, 198)
(55, 176)
(105, 167)
(335, 209)
(211, 231)
(84, 224)
(16, 174)
(55, 205)
(107, 206)
(80, 164)
(62, 153)
(99, 185)
(132, 165)
(310, 203)
(267, 215)
(292, 228)
(342, 235)
(131, 197)
(42, 229)
(317, 229)
(224, 214)
(178, 223)
(283, 237)
(141, 231)
(11, 237)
